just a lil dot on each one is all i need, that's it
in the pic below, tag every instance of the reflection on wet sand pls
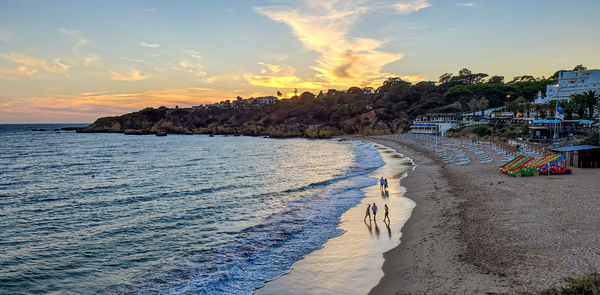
(351, 263)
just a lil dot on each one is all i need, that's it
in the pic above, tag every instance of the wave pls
(265, 251)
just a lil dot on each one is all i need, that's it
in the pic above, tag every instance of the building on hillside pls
(434, 125)
(569, 83)
(266, 100)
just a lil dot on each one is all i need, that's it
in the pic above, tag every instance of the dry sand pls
(475, 230)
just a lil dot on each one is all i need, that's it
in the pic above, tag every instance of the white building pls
(266, 99)
(569, 83)
(435, 125)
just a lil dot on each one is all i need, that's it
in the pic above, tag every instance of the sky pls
(76, 61)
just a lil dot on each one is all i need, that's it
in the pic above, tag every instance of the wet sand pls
(475, 230)
(351, 263)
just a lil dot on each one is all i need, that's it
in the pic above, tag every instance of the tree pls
(395, 84)
(464, 72)
(569, 107)
(451, 108)
(579, 104)
(279, 93)
(445, 78)
(496, 80)
(478, 105)
(459, 92)
(354, 90)
(590, 100)
(579, 68)
(519, 105)
(307, 96)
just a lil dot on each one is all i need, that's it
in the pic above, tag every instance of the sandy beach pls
(351, 263)
(476, 230)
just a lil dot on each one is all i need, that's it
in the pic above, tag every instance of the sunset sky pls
(75, 61)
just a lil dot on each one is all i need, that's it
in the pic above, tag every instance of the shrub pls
(585, 285)
(482, 131)
(592, 140)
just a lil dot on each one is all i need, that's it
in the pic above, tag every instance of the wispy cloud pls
(90, 59)
(80, 41)
(407, 7)
(273, 68)
(192, 64)
(324, 26)
(150, 45)
(132, 75)
(21, 71)
(35, 64)
(466, 4)
(289, 81)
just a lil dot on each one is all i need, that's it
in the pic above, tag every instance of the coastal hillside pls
(387, 109)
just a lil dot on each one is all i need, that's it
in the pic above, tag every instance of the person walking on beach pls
(381, 180)
(374, 208)
(387, 212)
(385, 184)
(368, 213)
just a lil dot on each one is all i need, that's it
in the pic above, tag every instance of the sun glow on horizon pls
(58, 67)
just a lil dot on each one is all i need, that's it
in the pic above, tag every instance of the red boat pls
(556, 169)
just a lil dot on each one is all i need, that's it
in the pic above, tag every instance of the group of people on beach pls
(374, 210)
(383, 184)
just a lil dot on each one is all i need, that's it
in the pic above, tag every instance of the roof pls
(575, 148)
(538, 127)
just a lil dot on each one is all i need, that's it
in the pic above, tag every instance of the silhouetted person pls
(387, 212)
(368, 214)
(385, 184)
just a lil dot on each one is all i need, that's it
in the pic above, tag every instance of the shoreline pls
(351, 262)
(426, 259)
(476, 230)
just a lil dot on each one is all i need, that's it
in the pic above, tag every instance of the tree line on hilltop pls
(389, 108)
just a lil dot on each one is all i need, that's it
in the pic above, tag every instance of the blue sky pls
(74, 61)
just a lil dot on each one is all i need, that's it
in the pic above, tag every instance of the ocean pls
(110, 213)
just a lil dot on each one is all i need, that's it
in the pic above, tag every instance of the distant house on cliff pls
(569, 83)
(266, 100)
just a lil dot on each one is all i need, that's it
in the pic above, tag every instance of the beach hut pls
(581, 156)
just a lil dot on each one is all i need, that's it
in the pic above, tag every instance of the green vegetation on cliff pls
(389, 109)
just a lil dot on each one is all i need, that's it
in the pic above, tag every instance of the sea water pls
(111, 213)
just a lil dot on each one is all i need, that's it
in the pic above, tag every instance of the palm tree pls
(552, 107)
(569, 107)
(579, 104)
(590, 99)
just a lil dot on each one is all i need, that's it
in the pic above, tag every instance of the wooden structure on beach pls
(581, 156)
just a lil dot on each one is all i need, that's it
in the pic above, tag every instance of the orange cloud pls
(289, 81)
(324, 26)
(273, 68)
(133, 75)
(33, 64)
(87, 107)
(19, 71)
